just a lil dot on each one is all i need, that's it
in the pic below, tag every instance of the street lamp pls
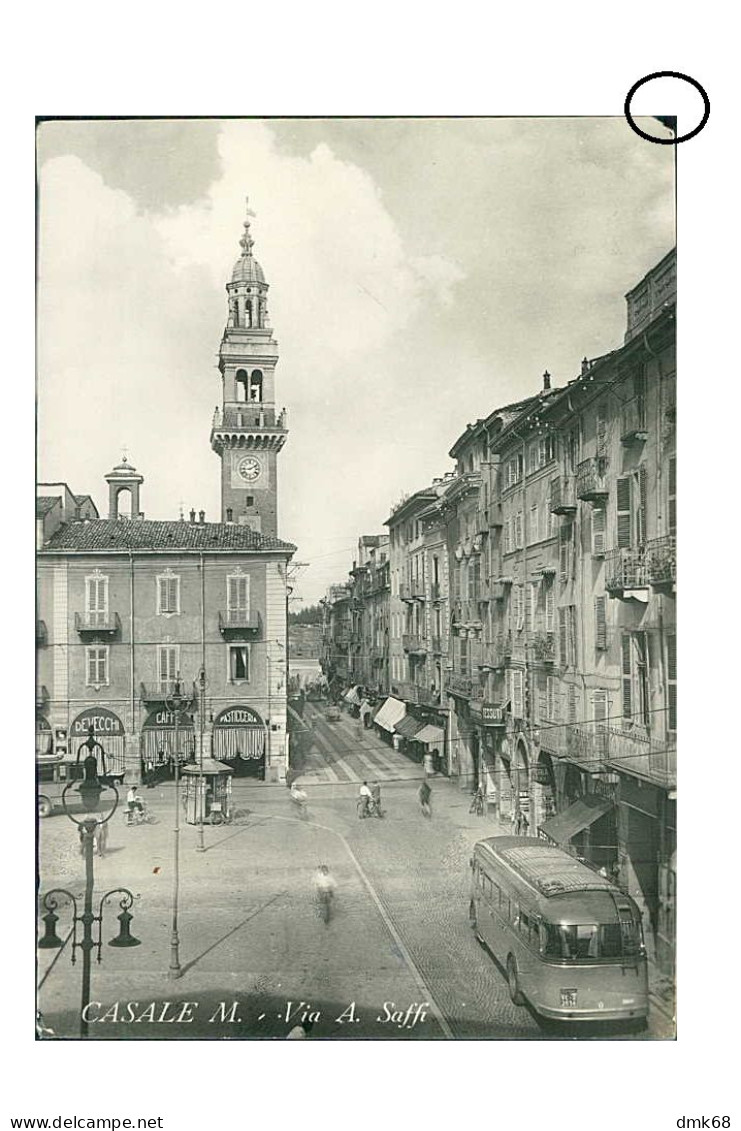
(176, 703)
(201, 847)
(89, 790)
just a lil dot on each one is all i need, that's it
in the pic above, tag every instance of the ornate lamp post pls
(176, 703)
(201, 847)
(89, 790)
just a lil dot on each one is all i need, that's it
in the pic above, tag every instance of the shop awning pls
(430, 735)
(351, 695)
(389, 713)
(578, 816)
(408, 727)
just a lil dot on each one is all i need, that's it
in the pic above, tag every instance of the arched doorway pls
(158, 742)
(239, 741)
(107, 729)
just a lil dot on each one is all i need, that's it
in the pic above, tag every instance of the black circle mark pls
(666, 75)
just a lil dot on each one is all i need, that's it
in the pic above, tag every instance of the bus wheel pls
(513, 981)
(45, 807)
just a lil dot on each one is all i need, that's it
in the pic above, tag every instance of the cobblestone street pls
(250, 932)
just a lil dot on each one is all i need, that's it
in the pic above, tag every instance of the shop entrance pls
(239, 741)
(107, 729)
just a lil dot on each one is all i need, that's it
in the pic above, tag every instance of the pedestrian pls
(325, 887)
(365, 797)
(425, 798)
(524, 823)
(301, 1031)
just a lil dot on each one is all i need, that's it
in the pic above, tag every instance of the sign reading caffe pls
(100, 719)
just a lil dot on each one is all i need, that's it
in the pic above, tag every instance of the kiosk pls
(207, 798)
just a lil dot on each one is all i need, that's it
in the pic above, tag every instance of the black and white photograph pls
(356, 520)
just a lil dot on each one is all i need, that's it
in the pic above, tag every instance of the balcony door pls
(96, 598)
(238, 598)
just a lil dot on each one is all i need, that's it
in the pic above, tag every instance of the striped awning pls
(389, 713)
(351, 695)
(430, 735)
(158, 743)
(249, 742)
(409, 727)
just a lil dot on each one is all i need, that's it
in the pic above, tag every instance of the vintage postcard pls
(356, 667)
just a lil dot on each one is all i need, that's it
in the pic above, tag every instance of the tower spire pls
(247, 243)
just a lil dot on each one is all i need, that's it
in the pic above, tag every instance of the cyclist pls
(134, 803)
(325, 889)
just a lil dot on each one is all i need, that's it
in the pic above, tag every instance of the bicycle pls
(138, 816)
(477, 803)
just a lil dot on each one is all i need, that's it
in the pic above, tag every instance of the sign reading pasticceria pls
(100, 719)
(238, 717)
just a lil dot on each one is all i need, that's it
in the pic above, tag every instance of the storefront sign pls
(164, 718)
(492, 715)
(238, 717)
(100, 719)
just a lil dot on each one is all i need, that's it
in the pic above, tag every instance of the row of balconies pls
(232, 622)
(599, 748)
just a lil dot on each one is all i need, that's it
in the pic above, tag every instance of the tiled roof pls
(44, 503)
(120, 534)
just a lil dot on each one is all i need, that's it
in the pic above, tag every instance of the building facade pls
(127, 606)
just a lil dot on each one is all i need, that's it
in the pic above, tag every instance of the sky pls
(422, 272)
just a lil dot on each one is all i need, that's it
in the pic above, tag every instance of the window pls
(519, 540)
(516, 695)
(96, 598)
(532, 606)
(534, 525)
(566, 548)
(673, 495)
(602, 428)
(599, 529)
(634, 667)
(549, 608)
(600, 623)
(563, 654)
(546, 450)
(507, 535)
(238, 595)
(571, 704)
(239, 663)
(168, 594)
(600, 709)
(463, 653)
(573, 637)
(518, 611)
(624, 513)
(551, 699)
(168, 666)
(671, 682)
(97, 665)
(641, 514)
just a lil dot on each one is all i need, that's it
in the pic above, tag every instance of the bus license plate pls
(568, 997)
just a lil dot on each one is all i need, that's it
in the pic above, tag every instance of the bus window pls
(585, 941)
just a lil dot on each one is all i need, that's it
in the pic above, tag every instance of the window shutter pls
(517, 697)
(641, 517)
(533, 533)
(673, 495)
(549, 608)
(564, 553)
(520, 607)
(599, 527)
(626, 645)
(172, 594)
(671, 678)
(571, 704)
(600, 623)
(163, 594)
(601, 427)
(624, 531)
(543, 697)
(91, 666)
(562, 652)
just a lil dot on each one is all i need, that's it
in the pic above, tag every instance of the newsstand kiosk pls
(208, 792)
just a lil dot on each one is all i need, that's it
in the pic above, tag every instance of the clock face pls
(249, 469)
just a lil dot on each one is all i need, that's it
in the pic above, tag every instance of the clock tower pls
(247, 433)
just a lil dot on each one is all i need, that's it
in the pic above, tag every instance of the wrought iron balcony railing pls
(642, 756)
(587, 746)
(414, 693)
(239, 621)
(563, 495)
(100, 623)
(543, 645)
(591, 479)
(626, 569)
(633, 421)
(661, 560)
(412, 590)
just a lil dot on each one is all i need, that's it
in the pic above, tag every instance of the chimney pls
(229, 514)
(192, 515)
(201, 517)
(546, 381)
(584, 365)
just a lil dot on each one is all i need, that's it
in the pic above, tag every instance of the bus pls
(571, 942)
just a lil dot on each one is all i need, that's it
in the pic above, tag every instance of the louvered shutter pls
(520, 607)
(600, 623)
(601, 427)
(517, 696)
(624, 525)
(571, 718)
(626, 645)
(599, 527)
(549, 608)
(671, 681)
(563, 547)
(542, 697)
(562, 638)
(673, 495)
(599, 707)
(642, 514)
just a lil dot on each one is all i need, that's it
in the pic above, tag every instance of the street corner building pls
(126, 606)
(519, 620)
